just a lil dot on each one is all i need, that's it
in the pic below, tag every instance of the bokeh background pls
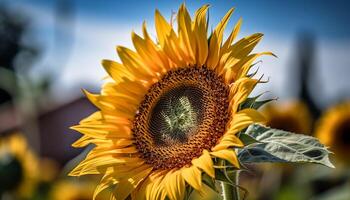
(50, 49)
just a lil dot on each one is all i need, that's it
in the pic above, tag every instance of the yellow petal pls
(220, 28)
(175, 185)
(244, 118)
(104, 130)
(148, 54)
(174, 51)
(120, 106)
(125, 171)
(186, 37)
(205, 163)
(163, 28)
(93, 164)
(228, 140)
(151, 45)
(232, 36)
(103, 151)
(240, 91)
(248, 62)
(169, 41)
(216, 39)
(200, 31)
(225, 52)
(152, 188)
(134, 89)
(93, 117)
(244, 46)
(192, 176)
(236, 56)
(116, 70)
(227, 154)
(134, 64)
(126, 90)
(85, 140)
(126, 186)
(240, 120)
(214, 50)
(107, 181)
(157, 191)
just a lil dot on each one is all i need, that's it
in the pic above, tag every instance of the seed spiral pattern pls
(180, 116)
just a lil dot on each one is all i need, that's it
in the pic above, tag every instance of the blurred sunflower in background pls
(18, 167)
(68, 189)
(293, 116)
(333, 129)
(170, 110)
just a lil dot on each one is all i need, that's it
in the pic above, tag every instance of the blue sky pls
(327, 18)
(73, 49)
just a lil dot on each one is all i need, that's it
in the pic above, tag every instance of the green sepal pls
(253, 73)
(254, 103)
(247, 139)
(209, 181)
(188, 192)
(224, 170)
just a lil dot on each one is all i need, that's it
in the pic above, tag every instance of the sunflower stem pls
(231, 191)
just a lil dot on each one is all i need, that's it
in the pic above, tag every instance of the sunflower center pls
(176, 115)
(181, 115)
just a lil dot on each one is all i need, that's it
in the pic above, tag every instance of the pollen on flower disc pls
(182, 114)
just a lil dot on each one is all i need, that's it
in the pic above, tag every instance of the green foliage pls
(254, 103)
(281, 146)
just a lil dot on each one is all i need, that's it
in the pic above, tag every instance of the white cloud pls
(96, 40)
(93, 42)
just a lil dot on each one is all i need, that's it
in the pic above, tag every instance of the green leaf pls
(210, 182)
(253, 102)
(223, 170)
(282, 146)
(188, 193)
(247, 139)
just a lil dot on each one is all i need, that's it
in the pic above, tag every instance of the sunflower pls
(73, 190)
(293, 116)
(170, 109)
(333, 129)
(18, 166)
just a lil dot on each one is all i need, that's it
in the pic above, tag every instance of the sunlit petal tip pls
(75, 128)
(133, 34)
(259, 35)
(120, 49)
(182, 6)
(231, 10)
(205, 6)
(202, 10)
(106, 65)
(88, 95)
